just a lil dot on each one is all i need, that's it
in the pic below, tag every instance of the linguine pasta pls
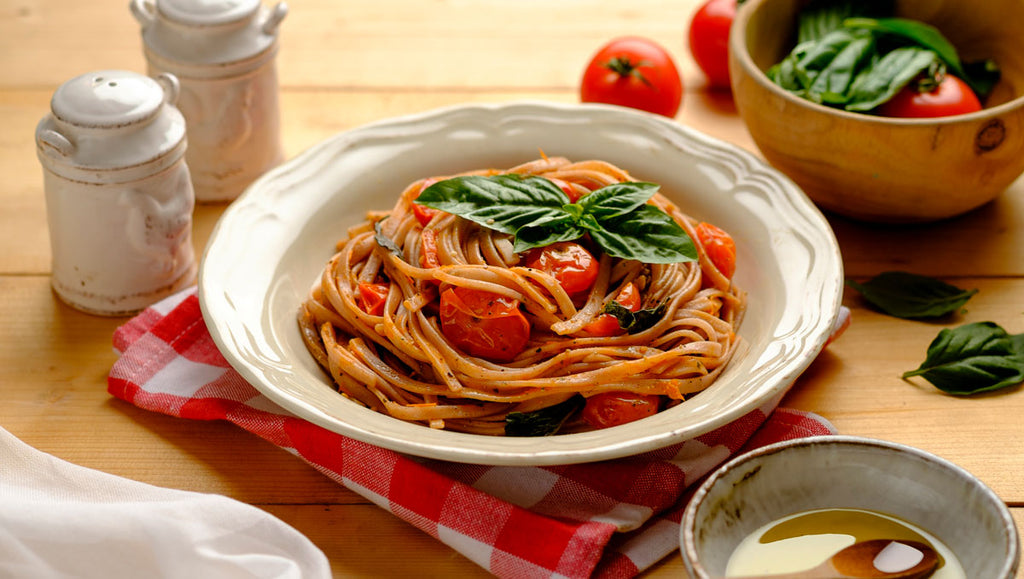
(399, 361)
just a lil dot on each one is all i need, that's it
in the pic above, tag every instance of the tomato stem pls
(625, 67)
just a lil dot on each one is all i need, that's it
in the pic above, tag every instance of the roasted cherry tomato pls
(709, 40)
(615, 408)
(607, 324)
(719, 246)
(569, 262)
(484, 324)
(372, 297)
(568, 189)
(951, 97)
(423, 213)
(428, 254)
(633, 72)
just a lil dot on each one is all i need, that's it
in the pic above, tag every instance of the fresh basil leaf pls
(887, 76)
(982, 76)
(635, 322)
(537, 212)
(819, 18)
(647, 234)
(504, 203)
(784, 75)
(545, 421)
(908, 295)
(530, 237)
(832, 84)
(913, 31)
(815, 57)
(973, 358)
(385, 241)
(617, 199)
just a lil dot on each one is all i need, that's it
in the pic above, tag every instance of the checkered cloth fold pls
(607, 519)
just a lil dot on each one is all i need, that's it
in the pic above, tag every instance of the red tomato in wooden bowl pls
(633, 72)
(951, 97)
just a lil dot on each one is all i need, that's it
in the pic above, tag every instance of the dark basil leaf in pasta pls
(635, 322)
(545, 421)
(908, 295)
(973, 358)
(385, 241)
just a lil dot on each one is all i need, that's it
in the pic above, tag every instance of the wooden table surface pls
(344, 63)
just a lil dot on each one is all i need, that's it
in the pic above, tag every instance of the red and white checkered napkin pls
(607, 519)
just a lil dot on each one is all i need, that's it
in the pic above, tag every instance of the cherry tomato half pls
(372, 297)
(709, 40)
(614, 408)
(423, 213)
(484, 324)
(429, 256)
(719, 247)
(951, 97)
(607, 324)
(569, 262)
(633, 72)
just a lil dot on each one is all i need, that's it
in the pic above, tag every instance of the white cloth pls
(60, 520)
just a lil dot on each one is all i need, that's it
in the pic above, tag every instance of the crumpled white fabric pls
(60, 520)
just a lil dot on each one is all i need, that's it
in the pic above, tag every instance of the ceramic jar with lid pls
(119, 198)
(223, 53)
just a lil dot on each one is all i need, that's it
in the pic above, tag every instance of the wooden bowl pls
(885, 169)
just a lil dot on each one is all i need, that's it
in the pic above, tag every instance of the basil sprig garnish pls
(538, 213)
(858, 57)
(973, 358)
(908, 295)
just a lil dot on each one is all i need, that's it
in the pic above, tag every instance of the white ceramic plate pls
(272, 242)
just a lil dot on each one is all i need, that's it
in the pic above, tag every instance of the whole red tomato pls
(951, 97)
(709, 39)
(633, 72)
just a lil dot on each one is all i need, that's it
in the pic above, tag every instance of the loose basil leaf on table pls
(538, 213)
(908, 295)
(973, 358)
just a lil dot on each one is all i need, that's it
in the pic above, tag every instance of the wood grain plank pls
(392, 44)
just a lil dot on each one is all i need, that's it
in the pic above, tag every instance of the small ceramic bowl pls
(846, 472)
(886, 169)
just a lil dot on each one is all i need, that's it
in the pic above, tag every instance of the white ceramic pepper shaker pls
(118, 195)
(223, 53)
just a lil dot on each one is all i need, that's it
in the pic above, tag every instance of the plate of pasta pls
(522, 284)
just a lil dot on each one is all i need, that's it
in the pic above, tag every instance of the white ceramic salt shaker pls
(223, 53)
(118, 195)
